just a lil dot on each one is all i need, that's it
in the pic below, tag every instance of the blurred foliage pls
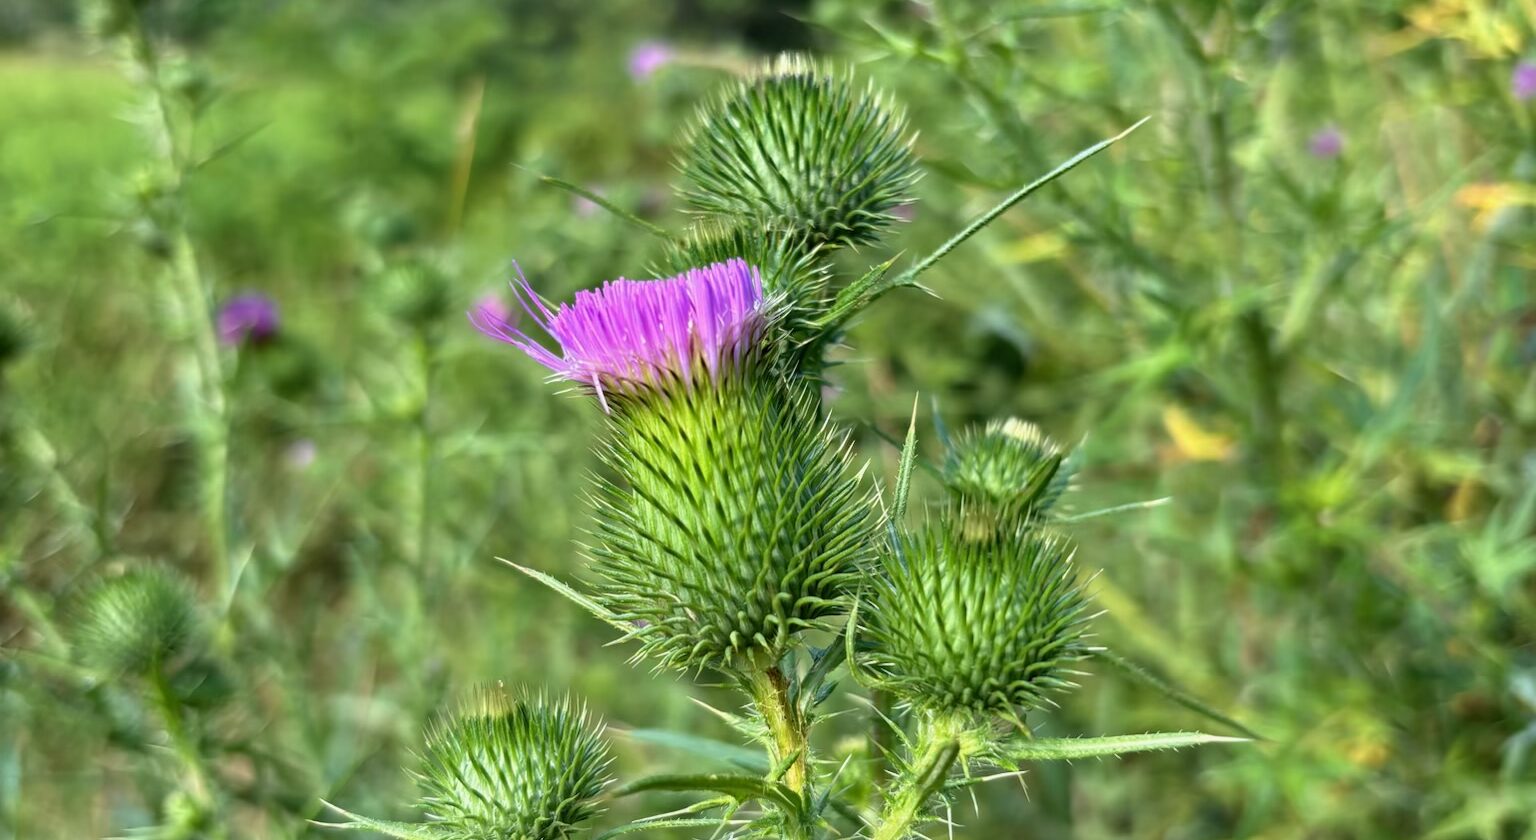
(1326, 357)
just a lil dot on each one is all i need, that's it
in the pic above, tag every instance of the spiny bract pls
(794, 276)
(1005, 474)
(800, 150)
(960, 625)
(736, 523)
(137, 621)
(513, 768)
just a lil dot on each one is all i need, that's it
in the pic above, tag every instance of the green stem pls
(789, 739)
(938, 747)
(198, 784)
(203, 370)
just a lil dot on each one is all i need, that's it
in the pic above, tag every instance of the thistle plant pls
(736, 540)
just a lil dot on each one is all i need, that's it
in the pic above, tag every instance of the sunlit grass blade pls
(600, 201)
(904, 471)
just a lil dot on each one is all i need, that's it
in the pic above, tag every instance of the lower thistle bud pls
(992, 627)
(526, 768)
(137, 621)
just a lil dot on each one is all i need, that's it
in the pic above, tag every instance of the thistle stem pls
(198, 785)
(938, 747)
(789, 739)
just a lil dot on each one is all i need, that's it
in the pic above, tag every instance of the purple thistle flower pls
(648, 57)
(631, 335)
(1522, 82)
(247, 318)
(1327, 143)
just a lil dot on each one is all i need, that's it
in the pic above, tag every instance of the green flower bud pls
(737, 524)
(527, 768)
(800, 150)
(1007, 473)
(959, 625)
(137, 621)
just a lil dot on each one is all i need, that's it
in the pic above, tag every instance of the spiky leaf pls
(989, 627)
(802, 150)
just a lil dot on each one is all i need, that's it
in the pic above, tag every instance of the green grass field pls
(1298, 307)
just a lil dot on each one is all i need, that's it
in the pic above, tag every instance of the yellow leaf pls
(1035, 248)
(1194, 441)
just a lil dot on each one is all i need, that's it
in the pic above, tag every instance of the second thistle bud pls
(1004, 475)
(800, 150)
(961, 626)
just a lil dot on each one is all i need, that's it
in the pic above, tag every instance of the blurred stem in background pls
(190, 302)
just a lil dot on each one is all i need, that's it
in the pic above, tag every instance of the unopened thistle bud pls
(800, 150)
(960, 626)
(1004, 475)
(505, 767)
(735, 524)
(140, 620)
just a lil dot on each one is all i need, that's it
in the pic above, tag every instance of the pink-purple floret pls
(248, 317)
(631, 335)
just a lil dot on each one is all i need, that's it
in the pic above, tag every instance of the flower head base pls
(963, 626)
(633, 336)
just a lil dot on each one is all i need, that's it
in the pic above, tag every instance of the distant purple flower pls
(1522, 82)
(628, 336)
(1327, 143)
(300, 454)
(905, 212)
(246, 318)
(648, 57)
(585, 207)
(494, 307)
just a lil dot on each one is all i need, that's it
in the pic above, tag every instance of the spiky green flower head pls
(137, 621)
(985, 628)
(513, 768)
(803, 150)
(728, 521)
(1005, 474)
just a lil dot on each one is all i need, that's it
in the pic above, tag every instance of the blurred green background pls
(1301, 302)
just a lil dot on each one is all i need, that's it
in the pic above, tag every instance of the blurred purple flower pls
(585, 207)
(1327, 143)
(905, 212)
(300, 454)
(1522, 82)
(628, 336)
(494, 307)
(648, 57)
(248, 317)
